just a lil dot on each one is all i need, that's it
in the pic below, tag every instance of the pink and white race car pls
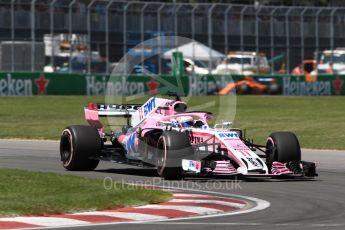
(161, 133)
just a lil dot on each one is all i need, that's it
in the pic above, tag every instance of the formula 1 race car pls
(161, 133)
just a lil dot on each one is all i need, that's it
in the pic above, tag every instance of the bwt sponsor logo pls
(149, 106)
(120, 87)
(15, 87)
(296, 88)
(228, 135)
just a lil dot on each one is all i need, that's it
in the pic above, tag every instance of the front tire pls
(172, 147)
(283, 147)
(77, 144)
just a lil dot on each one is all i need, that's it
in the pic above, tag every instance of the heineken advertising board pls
(27, 84)
(318, 86)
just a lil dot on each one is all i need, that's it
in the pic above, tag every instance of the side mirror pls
(224, 125)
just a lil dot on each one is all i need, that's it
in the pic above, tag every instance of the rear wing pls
(135, 113)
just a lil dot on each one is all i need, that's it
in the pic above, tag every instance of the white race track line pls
(126, 215)
(48, 221)
(302, 225)
(235, 205)
(260, 205)
(194, 209)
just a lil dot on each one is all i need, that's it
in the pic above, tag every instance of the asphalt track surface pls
(307, 204)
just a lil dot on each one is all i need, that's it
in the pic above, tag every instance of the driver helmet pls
(199, 124)
(186, 121)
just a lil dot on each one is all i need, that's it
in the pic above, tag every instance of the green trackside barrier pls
(313, 85)
(27, 83)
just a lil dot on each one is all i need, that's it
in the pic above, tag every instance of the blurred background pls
(237, 38)
(92, 35)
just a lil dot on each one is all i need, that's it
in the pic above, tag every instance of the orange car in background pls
(309, 66)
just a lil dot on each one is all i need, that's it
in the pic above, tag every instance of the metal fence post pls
(176, 9)
(193, 33)
(193, 21)
(159, 34)
(302, 37)
(272, 39)
(70, 34)
(89, 58)
(226, 31)
(257, 37)
(241, 34)
(142, 34)
(107, 35)
(317, 34)
(209, 16)
(51, 6)
(332, 32)
(287, 24)
(125, 35)
(12, 35)
(33, 35)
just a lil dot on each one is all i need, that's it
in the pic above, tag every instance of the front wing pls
(225, 168)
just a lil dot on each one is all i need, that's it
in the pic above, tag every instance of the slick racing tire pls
(172, 147)
(282, 147)
(77, 144)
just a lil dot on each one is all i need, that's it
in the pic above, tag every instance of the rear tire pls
(283, 147)
(172, 147)
(77, 144)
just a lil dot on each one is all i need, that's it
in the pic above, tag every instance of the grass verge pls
(35, 193)
(319, 122)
